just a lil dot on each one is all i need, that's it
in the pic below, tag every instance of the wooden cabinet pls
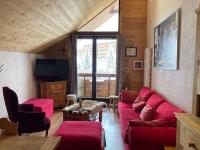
(188, 132)
(55, 90)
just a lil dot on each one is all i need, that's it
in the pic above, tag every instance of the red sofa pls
(148, 137)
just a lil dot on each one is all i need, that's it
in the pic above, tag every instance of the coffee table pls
(88, 110)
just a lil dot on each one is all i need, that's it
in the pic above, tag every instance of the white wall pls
(176, 85)
(17, 74)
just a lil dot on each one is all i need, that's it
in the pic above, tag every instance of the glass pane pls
(107, 20)
(106, 67)
(84, 67)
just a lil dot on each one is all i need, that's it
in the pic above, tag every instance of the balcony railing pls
(105, 85)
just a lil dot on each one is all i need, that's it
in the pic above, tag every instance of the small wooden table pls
(28, 143)
(89, 108)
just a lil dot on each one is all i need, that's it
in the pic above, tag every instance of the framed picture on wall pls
(131, 51)
(166, 42)
(137, 65)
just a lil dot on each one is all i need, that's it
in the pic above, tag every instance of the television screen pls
(52, 69)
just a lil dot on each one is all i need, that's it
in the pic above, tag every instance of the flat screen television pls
(52, 69)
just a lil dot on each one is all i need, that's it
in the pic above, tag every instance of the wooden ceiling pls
(32, 25)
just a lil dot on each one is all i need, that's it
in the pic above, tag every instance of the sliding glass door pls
(96, 66)
(105, 67)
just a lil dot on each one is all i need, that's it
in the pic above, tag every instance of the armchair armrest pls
(26, 107)
(153, 135)
(31, 117)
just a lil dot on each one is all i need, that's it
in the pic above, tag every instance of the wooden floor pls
(110, 124)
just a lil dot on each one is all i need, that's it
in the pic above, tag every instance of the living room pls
(36, 30)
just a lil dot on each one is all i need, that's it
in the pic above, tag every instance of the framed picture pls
(166, 42)
(131, 51)
(137, 65)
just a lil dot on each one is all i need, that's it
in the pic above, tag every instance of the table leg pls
(114, 105)
(110, 103)
(100, 116)
(64, 116)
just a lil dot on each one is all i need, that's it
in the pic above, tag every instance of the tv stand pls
(56, 90)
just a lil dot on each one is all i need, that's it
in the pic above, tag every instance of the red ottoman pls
(42, 105)
(80, 135)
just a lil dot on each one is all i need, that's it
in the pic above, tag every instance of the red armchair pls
(29, 121)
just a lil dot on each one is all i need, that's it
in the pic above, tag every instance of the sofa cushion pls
(147, 113)
(155, 100)
(128, 96)
(138, 106)
(166, 111)
(138, 99)
(145, 93)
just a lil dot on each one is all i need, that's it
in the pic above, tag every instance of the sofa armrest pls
(128, 96)
(153, 135)
(26, 107)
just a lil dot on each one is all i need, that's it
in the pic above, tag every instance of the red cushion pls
(147, 113)
(42, 105)
(77, 135)
(166, 111)
(155, 100)
(128, 96)
(138, 99)
(145, 93)
(138, 106)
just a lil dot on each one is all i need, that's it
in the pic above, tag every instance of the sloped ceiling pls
(32, 25)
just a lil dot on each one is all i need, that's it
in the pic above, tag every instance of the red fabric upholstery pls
(155, 100)
(147, 113)
(145, 93)
(125, 116)
(80, 135)
(166, 111)
(128, 96)
(124, 105)
(153, 137)
(138, 106)
(163, 131)
(42, 105)
(153, 123)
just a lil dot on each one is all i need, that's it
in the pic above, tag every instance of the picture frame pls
(138, 65)
(166, 42)
(131, 51)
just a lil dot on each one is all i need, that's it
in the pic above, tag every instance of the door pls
(96, 66)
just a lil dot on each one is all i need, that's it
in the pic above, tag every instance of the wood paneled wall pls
(58, 50)
(133, 16)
